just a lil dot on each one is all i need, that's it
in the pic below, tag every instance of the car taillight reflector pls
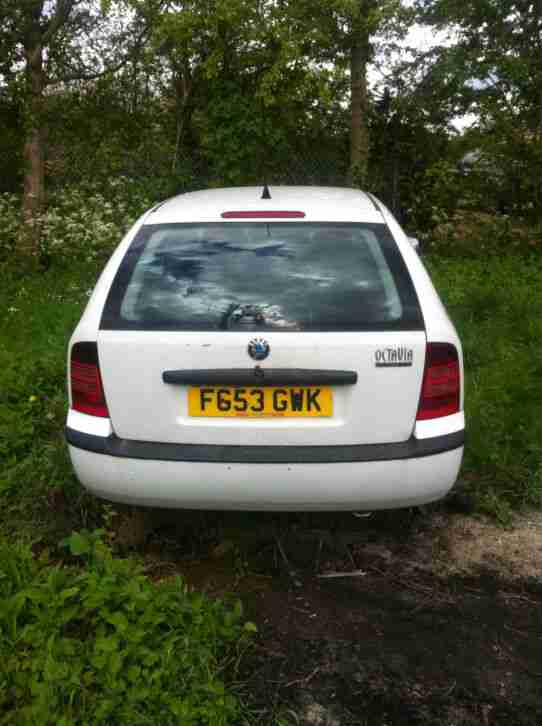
(86, 381)
(441, 382)
(263, 214)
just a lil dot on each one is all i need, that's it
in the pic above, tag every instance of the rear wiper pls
(238, 311)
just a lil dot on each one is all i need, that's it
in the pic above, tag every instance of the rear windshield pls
(258, 276)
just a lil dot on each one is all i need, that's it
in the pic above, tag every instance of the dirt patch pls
(424, 619)
(515, 552)
(388, 649)
(373, 654)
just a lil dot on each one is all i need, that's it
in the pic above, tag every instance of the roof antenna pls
(266, 194)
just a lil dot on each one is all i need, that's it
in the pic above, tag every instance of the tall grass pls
(497, 306)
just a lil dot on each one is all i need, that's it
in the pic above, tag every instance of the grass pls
(496, 305)
(39, 495)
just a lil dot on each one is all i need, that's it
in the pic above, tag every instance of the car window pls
(258, 276)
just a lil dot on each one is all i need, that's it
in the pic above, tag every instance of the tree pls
(263, 70)
(494, 70)
(28, 33)
(347, 34)
(49, 45)
(247, 93)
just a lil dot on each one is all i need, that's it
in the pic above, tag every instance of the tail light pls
(86, 382)
(441, 382)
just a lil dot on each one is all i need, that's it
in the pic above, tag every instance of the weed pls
(102, 644)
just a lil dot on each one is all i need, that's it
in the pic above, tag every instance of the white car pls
(275, 349)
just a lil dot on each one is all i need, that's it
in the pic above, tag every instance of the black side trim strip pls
(411, 449)
(261, 376)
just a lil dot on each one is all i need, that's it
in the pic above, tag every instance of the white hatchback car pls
(266, 351)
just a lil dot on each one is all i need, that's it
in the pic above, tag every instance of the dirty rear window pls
(258, 276)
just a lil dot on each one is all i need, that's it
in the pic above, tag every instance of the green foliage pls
(102, 644)
(454, 213)
(435, 197)
(80, 223)
(412, 165)
(11, 140)
(467, 233)
(492, 68)
(235, 116)
(38, 313)
(30, 402)
(10, 229)
(496, 304)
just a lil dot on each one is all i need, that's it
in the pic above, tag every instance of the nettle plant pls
(103, 644)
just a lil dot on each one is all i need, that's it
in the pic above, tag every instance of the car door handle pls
(261, 376)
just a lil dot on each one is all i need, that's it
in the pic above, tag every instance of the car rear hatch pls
(251, 333)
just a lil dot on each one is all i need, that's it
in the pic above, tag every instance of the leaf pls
(77, 544)
(133, 673)
(69, 592)
(107, 645)
(119, 620)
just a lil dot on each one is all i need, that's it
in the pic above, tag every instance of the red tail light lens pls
(441, 382)
(86, 381)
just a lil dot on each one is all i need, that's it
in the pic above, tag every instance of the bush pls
(78, 223)
(104, 644)
(468, 233)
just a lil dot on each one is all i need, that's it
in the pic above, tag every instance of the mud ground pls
(402, 618)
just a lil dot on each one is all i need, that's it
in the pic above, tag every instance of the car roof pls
(319, 204)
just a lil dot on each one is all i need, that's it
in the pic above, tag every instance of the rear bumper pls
(146, 450)
(288, 478)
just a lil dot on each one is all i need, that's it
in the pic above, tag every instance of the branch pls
(61, 16)
(70, 78)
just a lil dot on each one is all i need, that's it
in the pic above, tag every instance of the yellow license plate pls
(256, 402)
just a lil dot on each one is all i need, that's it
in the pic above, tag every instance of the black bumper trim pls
(126, 448)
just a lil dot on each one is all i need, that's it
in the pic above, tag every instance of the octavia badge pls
(258, 349)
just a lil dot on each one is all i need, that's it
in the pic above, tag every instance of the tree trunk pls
(183, 89)
(396, 163)
(359, 130)
(33, 147)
